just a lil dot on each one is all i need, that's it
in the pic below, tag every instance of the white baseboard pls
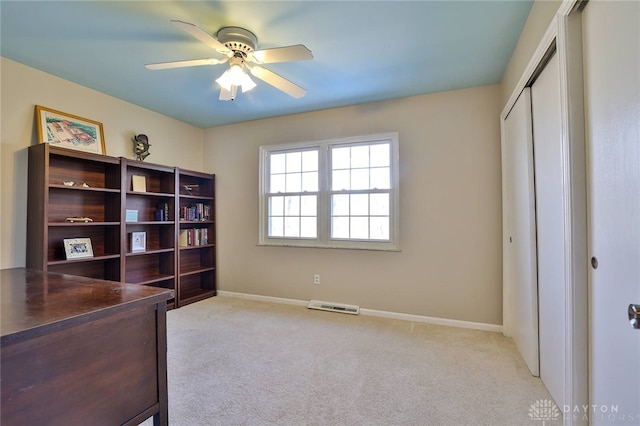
(374, 313)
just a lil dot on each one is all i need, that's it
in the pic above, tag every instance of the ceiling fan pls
(238, 47)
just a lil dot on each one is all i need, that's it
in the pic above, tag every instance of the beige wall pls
(450, 265)
(173, 142)
(539, 19)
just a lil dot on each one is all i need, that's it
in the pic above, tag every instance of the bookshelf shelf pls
(80, 188)
(82, 224)
(152, 222)
(196, 271)
(151, 280)
(149, 194)
(86, 259)
(67, 183)
(148, 252)
(196, 197)
(196, 247)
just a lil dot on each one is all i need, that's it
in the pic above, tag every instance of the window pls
(336, 193)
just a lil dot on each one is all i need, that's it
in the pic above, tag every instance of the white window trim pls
(324, 214)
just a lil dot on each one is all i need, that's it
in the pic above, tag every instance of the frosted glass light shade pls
(235, 76)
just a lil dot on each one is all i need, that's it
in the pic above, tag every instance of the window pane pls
(276, 206)
(340, 180)
(310, 181)
(359, 156)
(360, 227)
(276, 226)
(292, 206)
(340, 158)
(380, 155)
(310, 161)
(294, 183)
(308, 206)
(340, 227)
(380, 178)
(277, 184)
(379, 228)
(360, 179)
(359, 204)
(340, 205)
(292, 227)
(379, 205)
(278, 163)
(308, 227)
(294, 162)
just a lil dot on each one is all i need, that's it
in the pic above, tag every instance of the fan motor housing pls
(238, 39)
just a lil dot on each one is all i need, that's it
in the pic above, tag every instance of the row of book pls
(193, 237)
(162, 212)
(197, 212)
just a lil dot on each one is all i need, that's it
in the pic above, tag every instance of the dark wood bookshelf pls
(66, 183)
(156, 265)
(196, 259)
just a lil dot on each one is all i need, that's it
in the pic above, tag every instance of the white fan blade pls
(278, 82)
(202, 36)
(181, 64)
(298, 52)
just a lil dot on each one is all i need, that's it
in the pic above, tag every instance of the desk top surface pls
(32, 301)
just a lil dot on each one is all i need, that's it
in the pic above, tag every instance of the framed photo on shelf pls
(138, 183)
(69, 131)
(138, 242)
(77, 248)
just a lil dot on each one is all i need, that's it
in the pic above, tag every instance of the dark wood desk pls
(77, 350)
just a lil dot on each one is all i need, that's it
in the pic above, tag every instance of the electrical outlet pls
(316, 279)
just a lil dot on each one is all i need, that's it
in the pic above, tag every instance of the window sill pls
(350, 246)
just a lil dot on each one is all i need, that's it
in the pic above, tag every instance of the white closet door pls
(519, 241)
(611, 34)
(547, 154)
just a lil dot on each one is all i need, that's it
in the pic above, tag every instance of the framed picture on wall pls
(77, 248)
(69, 131)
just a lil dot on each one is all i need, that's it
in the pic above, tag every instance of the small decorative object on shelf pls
(71, 183)
(190, 188)
(141, 147)
(76, 248)
(138, 242)
(131, 216)
(138, 183)
(79, 219)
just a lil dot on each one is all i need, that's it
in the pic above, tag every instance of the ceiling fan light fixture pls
(247, 83)
(239, 45)
(235, 76)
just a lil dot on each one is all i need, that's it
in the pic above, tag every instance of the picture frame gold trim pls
(69, 131)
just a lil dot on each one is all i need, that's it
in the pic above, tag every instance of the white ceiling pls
(363, 51)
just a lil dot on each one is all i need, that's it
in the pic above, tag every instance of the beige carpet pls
(238, 362)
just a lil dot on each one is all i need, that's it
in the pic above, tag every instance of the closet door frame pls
(565, 35)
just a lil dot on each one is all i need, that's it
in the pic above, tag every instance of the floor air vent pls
(334, 307)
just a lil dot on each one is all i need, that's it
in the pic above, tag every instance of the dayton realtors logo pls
(544, 410)
(602, 413)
